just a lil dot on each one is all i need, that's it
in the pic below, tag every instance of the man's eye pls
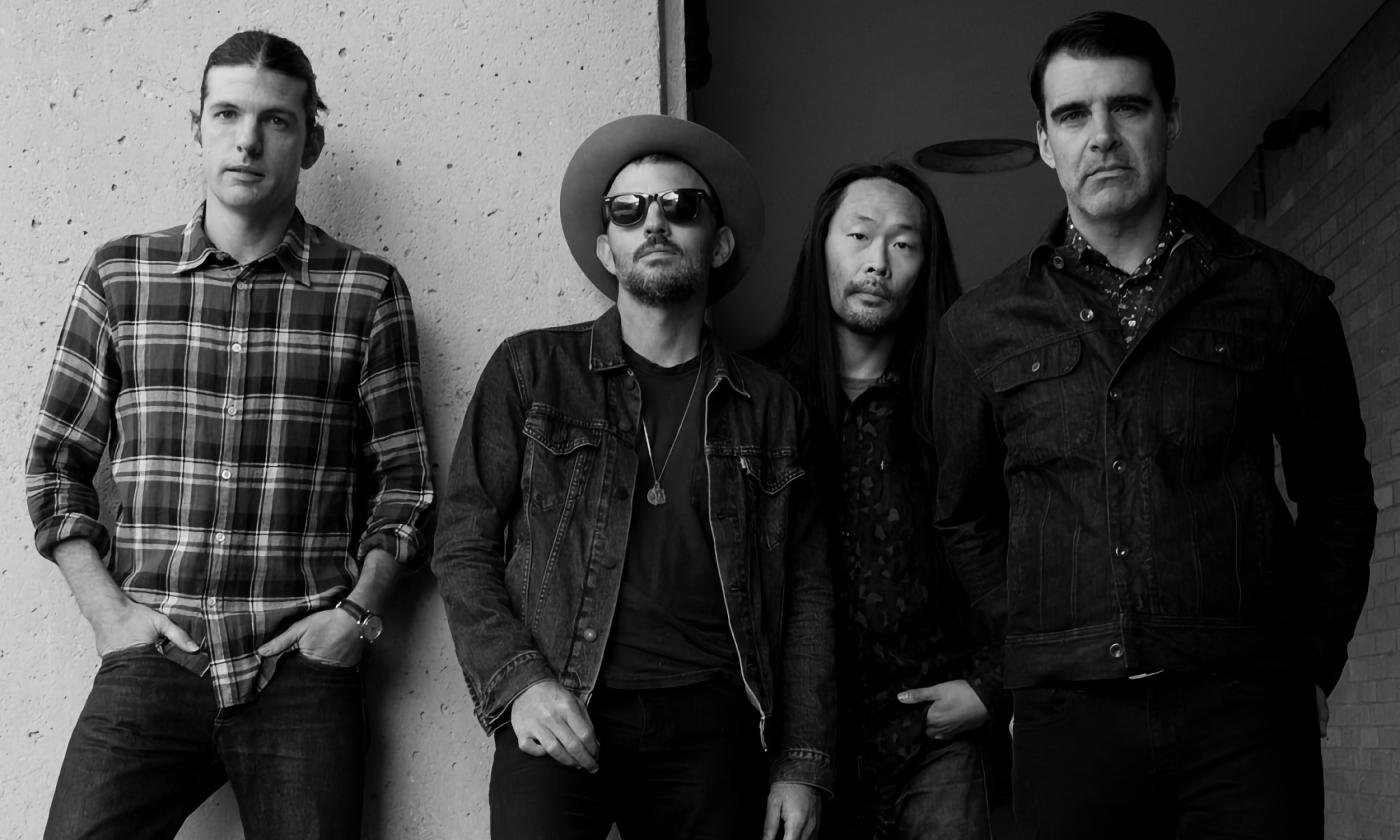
(858, 236)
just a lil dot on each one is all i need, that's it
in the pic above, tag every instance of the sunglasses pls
(679, 206)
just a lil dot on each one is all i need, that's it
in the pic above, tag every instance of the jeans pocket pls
(134, 651)
(325, 666)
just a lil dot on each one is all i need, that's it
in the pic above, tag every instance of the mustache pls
(655, 244)
(868, 287)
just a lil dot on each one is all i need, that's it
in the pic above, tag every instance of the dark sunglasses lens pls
(627, 209)
(681, 205)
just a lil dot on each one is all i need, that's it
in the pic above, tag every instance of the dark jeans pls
(673, 762)
(1175, 757)
(942, 795)
(150, 746)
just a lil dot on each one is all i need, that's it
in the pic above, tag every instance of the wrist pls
(370, 624)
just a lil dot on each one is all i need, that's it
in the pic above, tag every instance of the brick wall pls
(1333, 202)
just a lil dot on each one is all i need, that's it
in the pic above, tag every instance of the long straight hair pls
(805, 347)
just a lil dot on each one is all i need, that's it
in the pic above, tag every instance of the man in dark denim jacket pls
(630, 554)
(1109, 411)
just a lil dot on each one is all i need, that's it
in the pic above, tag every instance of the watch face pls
(371, 628)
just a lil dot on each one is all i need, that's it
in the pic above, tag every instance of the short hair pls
(1107, 35)
(805, 347)
(256, 48)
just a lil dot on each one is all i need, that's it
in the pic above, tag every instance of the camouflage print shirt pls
(901, 617)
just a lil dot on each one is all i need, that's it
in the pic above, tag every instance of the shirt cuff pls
(63, 527)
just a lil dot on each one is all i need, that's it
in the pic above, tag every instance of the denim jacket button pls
(1121, 551)
(1220, 349)
(1086, 314)
(1057, 261)
(1120, 466)
(590, 635)
(1115, 395)
(1115, 650)
(1035, 367)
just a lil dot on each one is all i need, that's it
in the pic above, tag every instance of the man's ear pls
(605, 254)
(315, 142)
(194, 128)
(1173, 122)
(724, 247)
(1042, 139)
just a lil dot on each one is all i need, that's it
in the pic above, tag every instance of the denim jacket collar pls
(605, 353)
(1205, 234)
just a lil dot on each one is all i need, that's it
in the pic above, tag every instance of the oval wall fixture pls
(976, 156)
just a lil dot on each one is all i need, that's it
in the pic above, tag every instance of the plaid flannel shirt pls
(265, 427)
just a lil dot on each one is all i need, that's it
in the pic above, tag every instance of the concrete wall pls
(1333, 201)
(451, 122)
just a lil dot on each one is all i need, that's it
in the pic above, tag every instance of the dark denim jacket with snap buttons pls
(1115, 509)
(534, 532)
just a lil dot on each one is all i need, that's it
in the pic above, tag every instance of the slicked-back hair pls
(1106, 35)
(805, 346)
(256, 48)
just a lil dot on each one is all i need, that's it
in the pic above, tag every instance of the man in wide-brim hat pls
(630, 555)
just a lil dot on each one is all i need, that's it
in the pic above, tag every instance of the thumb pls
(281, 643)
(927, 694)
(773, 821)
(172, 631)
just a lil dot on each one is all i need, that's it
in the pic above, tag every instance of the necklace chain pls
(656, 495)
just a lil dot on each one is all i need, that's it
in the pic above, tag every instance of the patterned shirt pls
(265, 428)
(901, 619)
(1134, 294)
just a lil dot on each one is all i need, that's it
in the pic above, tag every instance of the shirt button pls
(1035, 367)
(237, 348)
(1086, 314)
(1121, 551)
(232, 410)
(226, 474)
(590, 635)
(1057, 261)
(1115, 650)
(211, 603)
(1120, 466)
(218, 538)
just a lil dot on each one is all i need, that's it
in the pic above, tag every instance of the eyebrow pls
(1079, 105)
(861, 217)
(220, 104)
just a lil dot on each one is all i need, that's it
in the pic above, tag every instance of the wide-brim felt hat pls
(622, 141)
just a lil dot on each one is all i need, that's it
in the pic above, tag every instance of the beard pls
(662, 285)
(864, 321)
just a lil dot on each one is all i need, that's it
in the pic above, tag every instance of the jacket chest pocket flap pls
(1042, 411)
(560, 451)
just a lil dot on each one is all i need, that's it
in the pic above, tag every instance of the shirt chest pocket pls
(1210, 379)
(560, 453)
(1046, 401)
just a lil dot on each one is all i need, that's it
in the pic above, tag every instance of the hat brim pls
(622, 141)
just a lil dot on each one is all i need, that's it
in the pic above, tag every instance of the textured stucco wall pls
(451, 122)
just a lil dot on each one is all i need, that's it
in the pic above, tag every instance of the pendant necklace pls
(656, 495)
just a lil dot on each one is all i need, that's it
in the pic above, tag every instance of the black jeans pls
(673, 762)
(1170, 757)
(151, 745)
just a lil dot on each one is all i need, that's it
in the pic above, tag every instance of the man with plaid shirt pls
(255, 385)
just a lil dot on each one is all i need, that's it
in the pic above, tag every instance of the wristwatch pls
(371, 625)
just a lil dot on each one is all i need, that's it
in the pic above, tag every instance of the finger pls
(927, 694)
(560, 751)
(530, 746)
(172, 631)
(772, 822)
(582, 728)
(281, 643)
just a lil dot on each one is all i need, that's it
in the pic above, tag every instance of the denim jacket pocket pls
(1047, 410)
(559, 452)
(770, 473)
(1209, 375)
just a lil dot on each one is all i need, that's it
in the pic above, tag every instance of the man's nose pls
(249, 138)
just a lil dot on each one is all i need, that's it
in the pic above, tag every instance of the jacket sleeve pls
(806, 724)
(496, 651)
(970, 503)
(75, 419)
(1322, 440)
(396, 441)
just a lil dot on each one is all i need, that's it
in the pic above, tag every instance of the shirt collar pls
(293, 253)
(605, 351)
(1171, 231)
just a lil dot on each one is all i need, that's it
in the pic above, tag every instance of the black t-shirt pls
(670, 628)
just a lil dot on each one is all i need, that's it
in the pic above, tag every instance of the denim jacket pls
(1116, 509)
(534, 532)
